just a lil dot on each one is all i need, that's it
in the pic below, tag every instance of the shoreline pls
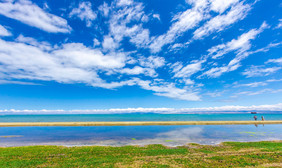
(145, 145)
(136, 123)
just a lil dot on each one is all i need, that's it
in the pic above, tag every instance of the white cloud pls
(31, 41)
(96, 42)
(70, 63)
(182, 22)
(260, 71)
(137, 70)
(169, 90)
(241, 45)
(76, 63)
(109, 43)
(278, 61)
(279, 24)
(84, 12)
(27, 12)
(252, 93)
(152, 61)
(78, 55)
(221, 5)
(222, 109)
(4, 31)
(123, 14)
(105, 9)
(157, 16)
(220, 22)
(16, 82)
(257, 84)
(189, 70)
(253, 84)
(124, 2)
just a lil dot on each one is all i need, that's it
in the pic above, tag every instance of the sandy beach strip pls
(136, 123)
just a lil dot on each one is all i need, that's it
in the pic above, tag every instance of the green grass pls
(228, 154)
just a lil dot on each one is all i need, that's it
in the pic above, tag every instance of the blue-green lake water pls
(138, 117)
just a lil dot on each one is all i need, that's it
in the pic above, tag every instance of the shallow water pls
(137, 117)
(137, 135)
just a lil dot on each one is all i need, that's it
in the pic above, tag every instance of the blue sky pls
(129, 54)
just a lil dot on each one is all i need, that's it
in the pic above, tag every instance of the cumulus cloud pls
(4, 31)
(222, 109)
(84, 12)
(76, 63)
(70, 63)
(29, 13)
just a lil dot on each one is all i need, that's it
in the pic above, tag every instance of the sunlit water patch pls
(137, 135)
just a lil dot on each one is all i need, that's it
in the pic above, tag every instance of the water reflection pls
(136, 135)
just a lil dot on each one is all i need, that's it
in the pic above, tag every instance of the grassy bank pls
(124, 123)
(233, 154)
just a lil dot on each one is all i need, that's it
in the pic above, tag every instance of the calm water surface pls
(137, 135)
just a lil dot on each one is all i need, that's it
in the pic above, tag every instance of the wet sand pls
(136, 123)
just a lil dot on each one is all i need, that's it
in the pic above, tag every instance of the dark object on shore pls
(262, 118)
(253, 112)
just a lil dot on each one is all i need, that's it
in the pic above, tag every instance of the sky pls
(150, 54)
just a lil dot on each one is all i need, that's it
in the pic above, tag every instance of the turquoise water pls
(137, 135)
(136, 117)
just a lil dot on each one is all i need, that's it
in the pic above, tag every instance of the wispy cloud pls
(256, 84)
(4, 31)
(279, 26)
(241, 45)
(181, 23)
(170, 90)
(252, 93)
(17, 82)
(278, 61)
(188, 70)
(260, 71)
(220, 22)
(29, 13)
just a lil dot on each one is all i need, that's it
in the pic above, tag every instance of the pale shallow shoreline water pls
(170, 135)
